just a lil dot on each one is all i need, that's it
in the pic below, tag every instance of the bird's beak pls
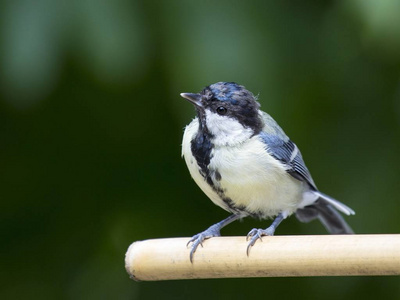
(193, 98)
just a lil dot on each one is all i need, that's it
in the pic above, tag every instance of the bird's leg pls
(256, 234)
(210, 232)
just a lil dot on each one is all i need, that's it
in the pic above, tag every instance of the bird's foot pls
(198, 239)
(256, 234)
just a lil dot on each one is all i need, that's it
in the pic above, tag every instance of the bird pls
(245, 163)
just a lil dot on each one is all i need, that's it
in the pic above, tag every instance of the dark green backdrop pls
(91, 124)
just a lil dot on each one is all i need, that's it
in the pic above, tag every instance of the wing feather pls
(283, 149)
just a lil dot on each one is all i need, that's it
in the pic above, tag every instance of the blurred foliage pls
(91, 124)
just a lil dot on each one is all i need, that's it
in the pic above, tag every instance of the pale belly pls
(255, 182)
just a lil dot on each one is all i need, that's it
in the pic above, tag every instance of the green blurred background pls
(91, 124)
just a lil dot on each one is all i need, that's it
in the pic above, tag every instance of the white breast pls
(249, 177)
(255, 180)
(194, 169)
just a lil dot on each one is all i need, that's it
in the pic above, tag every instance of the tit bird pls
(244, 162)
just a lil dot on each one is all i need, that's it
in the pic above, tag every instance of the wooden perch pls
(225, 257)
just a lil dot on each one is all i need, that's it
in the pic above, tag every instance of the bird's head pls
(226, 110)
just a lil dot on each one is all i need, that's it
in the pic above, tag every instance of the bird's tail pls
(324, 209)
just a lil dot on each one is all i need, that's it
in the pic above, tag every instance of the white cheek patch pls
(226, 131)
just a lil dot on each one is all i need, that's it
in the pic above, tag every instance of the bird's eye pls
(221, 110)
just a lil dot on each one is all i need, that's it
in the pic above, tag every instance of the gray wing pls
(283, 149)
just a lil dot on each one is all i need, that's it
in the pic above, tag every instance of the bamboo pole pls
(275, 256)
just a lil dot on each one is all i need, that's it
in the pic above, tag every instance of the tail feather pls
(325, 211)
(337, 204)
